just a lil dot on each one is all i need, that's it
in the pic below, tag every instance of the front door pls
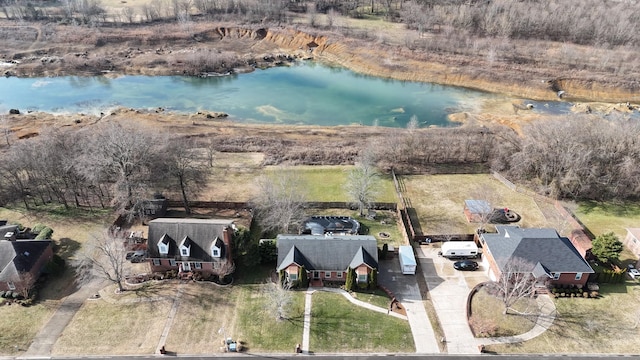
(316, 274)
(186, 266)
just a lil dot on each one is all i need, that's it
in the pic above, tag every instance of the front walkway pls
(307, 311)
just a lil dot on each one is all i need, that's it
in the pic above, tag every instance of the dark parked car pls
(467, 265)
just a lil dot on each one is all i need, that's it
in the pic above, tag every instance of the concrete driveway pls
(406, 290)
(449, 290)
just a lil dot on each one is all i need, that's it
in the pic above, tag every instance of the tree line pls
(111, 166)
(122, 166)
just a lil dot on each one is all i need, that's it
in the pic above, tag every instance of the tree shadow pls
(67, 247)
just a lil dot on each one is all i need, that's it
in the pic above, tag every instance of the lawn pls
(603, 217)
(339, 326)
(20, 324)
(327, 183)
(259, 329)
(127, 326)
(439, 201)
(489, 318)
(589, 326)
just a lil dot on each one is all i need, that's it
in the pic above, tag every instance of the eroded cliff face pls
(403, 64)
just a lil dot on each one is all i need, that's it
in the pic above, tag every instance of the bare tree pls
(106, 254)
(515, 283)
(363, 181)
(122, 156)
(280, 202)
(182, 164)
(279, 299)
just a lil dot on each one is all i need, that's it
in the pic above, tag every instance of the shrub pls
(45, 233)
(8, 294)
(2, 293)
(37, 228)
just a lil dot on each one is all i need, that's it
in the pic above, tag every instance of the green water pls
(306, 93)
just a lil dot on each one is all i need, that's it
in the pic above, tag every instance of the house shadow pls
(66, 248)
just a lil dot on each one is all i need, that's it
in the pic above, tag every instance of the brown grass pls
(439, 201)
(589, 326)
(20, 324)
(119, 328)
(487, 309)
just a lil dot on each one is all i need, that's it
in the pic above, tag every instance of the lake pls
(305, 93)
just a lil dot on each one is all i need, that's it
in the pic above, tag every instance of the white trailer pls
(459, 249)
(407, 260)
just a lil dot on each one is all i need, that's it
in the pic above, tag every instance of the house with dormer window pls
(327, 257)
(189, 245)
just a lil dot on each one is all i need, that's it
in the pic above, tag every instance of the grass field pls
(589, 326)
(439, 201)
(327, 183)
(338, 326)
(603, 217)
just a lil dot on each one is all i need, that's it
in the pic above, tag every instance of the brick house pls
(190, 245)
(327, 258)
(22, 261)
(553, 259)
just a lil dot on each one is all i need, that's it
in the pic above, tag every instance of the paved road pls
(406, 290)
(246, 356)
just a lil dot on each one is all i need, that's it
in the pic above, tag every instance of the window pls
(185, 252)
(339, 274)
(327, 274)
(293, 276)
(215, 252)
(198, 265)
(556, 276)
(11, 285)
(156, 262)
(316, 274)
(578, 276)
(172, 262)
(163, 249)
(362, 278)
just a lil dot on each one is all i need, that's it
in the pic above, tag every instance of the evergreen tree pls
(350, 281)
(607, 247)
(373, 279)
(304, 279)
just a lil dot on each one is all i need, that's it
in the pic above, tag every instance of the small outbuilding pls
(477, 210)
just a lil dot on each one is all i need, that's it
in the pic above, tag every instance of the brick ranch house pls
(190, 245)
(327, 258)
(553, 259)
(21, 262)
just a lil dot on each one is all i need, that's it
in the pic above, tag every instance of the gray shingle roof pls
(544, 249)
(201, 232)
(327, 253)
(19, 256)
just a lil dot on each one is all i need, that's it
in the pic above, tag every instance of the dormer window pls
(185, 247)
(216, 248)
(163, 245)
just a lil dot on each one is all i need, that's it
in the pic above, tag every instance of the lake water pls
(306, 93)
